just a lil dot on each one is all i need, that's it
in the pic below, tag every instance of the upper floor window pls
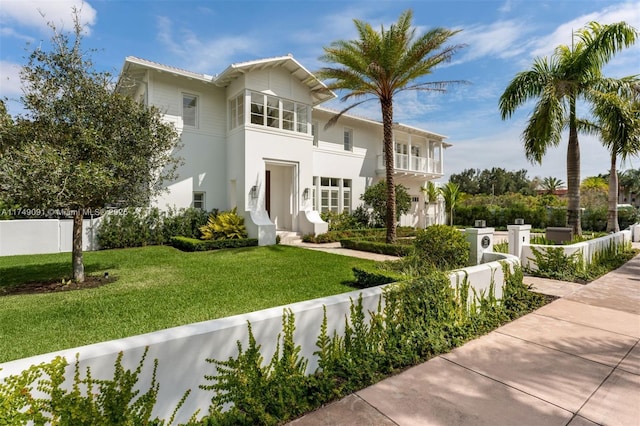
(236, 111)
(348, 139)
(271, 111)
(189, 110)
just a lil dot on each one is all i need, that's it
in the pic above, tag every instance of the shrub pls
(373, 276)
(133, 227)
(376, 197)
(443, 247)
(191, 244)
(377, 247)
(224, 226)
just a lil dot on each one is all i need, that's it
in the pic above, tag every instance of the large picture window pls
(189, 110)
(279, 113)
(335, 194)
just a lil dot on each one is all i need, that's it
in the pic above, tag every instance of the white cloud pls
(37, 13)
(500, 39)
(10, 85)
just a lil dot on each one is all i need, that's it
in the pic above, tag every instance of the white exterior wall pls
(203, 148)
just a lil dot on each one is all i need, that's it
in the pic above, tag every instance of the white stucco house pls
(254, 138)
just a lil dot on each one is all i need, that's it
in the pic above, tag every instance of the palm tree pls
(630, 181)
(551, 184)
(431, 194)
(618, 118)
(381, 64)
(558, 82)
(451, 194)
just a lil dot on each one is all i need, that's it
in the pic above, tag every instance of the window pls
(348, 139)
(236, 111)
(288, 115)
(257, 108)
(335, 194)
(189, 110)
(198, 200)
(302, 118)
(314, 132)
(273, 111)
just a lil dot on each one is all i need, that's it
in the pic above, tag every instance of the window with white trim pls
(346, 195)
(189, 110)
(302, 118)
(348, 139)
(199, 200)
(271, 111)
(288, 115)
(236, 111)
(335, 194)
(257, 108)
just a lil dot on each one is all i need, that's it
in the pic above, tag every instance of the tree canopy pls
(494, 181)
(81, 145)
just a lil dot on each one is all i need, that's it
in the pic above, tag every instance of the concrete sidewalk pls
(575, 361)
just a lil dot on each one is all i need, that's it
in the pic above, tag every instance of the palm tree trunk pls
(387, 126)
(76, 253)
(573, 173)
(612, 214)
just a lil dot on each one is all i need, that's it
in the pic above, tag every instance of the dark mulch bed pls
(56, 286)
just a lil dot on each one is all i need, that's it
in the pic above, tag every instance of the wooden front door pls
(267, 192)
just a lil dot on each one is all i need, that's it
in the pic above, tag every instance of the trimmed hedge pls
(335, 236)
(192, 244)
(376, 247)
(374, 276)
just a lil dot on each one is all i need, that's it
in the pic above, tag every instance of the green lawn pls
(157, 287)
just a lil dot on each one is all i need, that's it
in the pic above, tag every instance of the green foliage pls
(91, 401)
(443, 247)
(224, 226)
(372, 276)
(142, 227)
(376, 197)
(335, 236)
(552, 262)
(377, 247)
(346, 221)
(494, 181)
(261, 394)
(502, 247)
(421, 318)
(192, 244)
(451, 194)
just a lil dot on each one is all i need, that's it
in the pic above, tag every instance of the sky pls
(501, 38)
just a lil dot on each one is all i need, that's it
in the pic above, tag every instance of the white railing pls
(412, 163)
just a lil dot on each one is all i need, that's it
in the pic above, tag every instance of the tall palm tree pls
(451, 194)
(381, 64)
(558, 82)
(618, 118)
(431, 194)
(630, 181)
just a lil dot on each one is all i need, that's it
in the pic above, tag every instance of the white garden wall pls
(181, 351)
(587, 248)
(40, 236)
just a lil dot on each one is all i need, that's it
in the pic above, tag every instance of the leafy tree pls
(618, 122)
(494, 181)
(376, 197)
(451, 194)
(82, 145)
(378, 66)
(467, 181)
(630, 181)
(551, 184)
(558, 82)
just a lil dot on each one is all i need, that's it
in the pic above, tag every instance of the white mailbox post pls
(480, 240)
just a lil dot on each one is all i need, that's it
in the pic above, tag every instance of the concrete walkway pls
(575, 361)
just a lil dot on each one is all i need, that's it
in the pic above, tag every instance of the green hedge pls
(192, 244)
(373, 276)
(335, 236)
(376, 247)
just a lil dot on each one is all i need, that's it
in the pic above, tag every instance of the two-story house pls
(254, 137)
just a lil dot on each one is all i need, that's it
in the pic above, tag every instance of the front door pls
(267, 192)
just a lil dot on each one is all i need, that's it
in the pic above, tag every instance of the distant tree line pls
(495, 181)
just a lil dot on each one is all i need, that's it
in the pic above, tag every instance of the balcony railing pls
(404, 162)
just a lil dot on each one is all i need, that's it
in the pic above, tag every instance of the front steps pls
(289, 238)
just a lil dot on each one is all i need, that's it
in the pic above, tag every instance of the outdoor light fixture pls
(106, 275)
(519, 221)
(305, 193)
(480, 224)
(253, 193)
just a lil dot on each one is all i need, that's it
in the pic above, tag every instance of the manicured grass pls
(157, 287)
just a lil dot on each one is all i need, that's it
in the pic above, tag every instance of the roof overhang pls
(319, 91)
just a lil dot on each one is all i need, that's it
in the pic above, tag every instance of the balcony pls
(412, 165)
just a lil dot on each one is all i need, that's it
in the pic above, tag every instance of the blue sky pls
(502, 38)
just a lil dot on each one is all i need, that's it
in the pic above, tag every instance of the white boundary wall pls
(182, 351)
(586, 248)
(41, 236)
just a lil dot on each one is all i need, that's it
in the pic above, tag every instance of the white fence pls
(40, 236)
(586, 249)
(182, 351)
